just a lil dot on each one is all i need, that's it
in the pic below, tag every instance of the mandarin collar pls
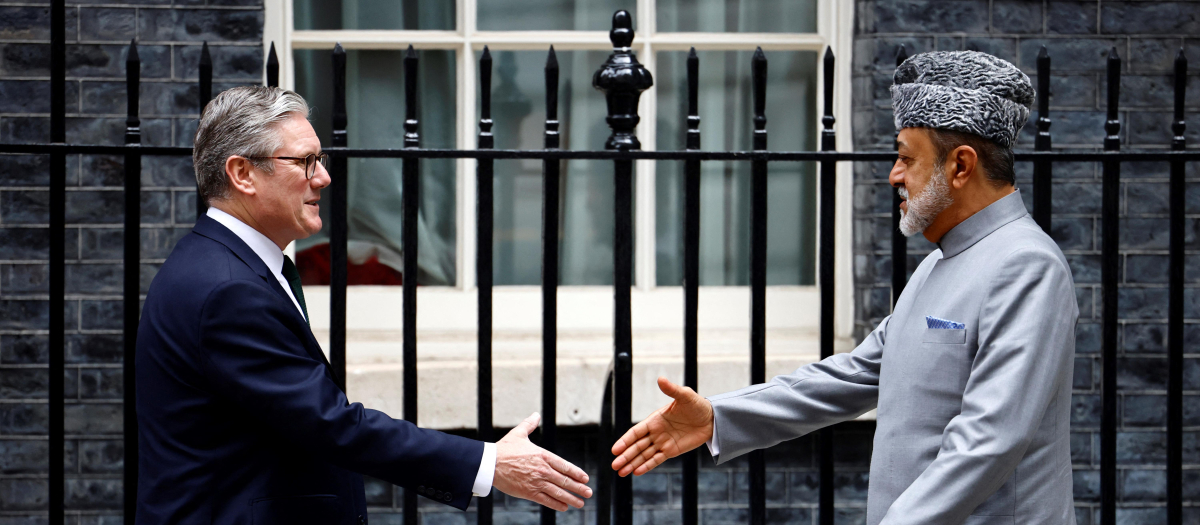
(1005, 210)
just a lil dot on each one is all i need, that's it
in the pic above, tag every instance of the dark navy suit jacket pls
(239, 418)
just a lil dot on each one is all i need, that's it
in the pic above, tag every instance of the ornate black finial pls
(622, 79)
(272, 67)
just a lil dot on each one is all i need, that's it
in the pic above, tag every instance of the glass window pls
(737, 16)
(373, 14)
(375, 110)
(519, 113)
(726, 112)
(541, 15)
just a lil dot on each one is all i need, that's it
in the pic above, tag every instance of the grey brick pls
(849, 516)
(1135, 373)
(24, 278)
(93, 494)
(24, 494)
(1081, 447)
(24, 349)
(1074, 91)
(776, 487)
(24, 383)
(200, 24)
(103, 243)
(156, 206)
(101, 457)
(1141, 448)
(169, 98)
(1141, 516)
(107, 24)
(229, 63)
(108, 60)
(1076, 197)
(724, 516)
(185, 132)
(24, 207)
(1085, 268)
(24, 314)
(102, 170)
(95, 348)
(101, 383)
(968, 16)
(24, 96)
(1005, 48)
(713, 485)
(1146, 268)
(24, 23)
(1017, 16)
(24, 418)
(1146, 91)
(1070, 128)
(93, 418)
(1082, 375)
(101, 315)
(785, 515)
(25, 59)
(1150, 17)
(1085, 410)
(1146, 198)
(1145, 337)
(96, 207)
(24, 170)
(1086, 485)
(168, 171)
(1069, 54)
(1071, 18)
(1153, 54)
(157, 243)
(23, 456)
(1145, 410)
(1154, 127)
(1143, 303)
(1073, 233)
(94, 278)
(105, 96)
(650, 489)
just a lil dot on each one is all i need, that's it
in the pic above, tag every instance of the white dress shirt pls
(272, 256)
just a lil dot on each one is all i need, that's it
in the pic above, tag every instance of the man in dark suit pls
(240, 420)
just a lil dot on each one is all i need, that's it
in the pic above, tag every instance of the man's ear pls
(239, 170)
(961, 165)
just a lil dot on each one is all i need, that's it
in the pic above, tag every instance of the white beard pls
(924, 208)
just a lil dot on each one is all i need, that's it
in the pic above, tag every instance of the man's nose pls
(896, 176)
(321, 177)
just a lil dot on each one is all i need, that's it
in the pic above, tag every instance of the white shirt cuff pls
(714, 448)
(487, 471)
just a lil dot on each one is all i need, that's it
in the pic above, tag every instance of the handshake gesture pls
(530, 472)
(682, 425)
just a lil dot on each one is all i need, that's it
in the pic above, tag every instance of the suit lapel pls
(214, 230)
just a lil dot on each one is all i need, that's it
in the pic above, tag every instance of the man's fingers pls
(548, 501)
(637, 455)
(632, 451)
(631, 437)
(649, 465)
(566, 467)
(558, 493)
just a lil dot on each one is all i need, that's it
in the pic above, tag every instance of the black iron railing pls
(622, 79)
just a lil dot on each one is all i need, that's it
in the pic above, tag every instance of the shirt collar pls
(266, 250)
(1005, 210)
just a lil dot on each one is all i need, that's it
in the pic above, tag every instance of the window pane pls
(541, 15)
(738, 16)
(375, 109)
(373, 14)
(726, 113)
(519, 113)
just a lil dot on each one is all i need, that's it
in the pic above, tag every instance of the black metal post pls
(272, 67)
(484, 230)
(58, 198)
(899, 241)
(1042, 168)
(1175, 307)
(758, 275)
(604, 485)
(410, 188)
(691, 279)
(131, 297)
(826, 265)
(205, 97)
(550, 206)
(338, 221)
(1109, 273)
(622, 79)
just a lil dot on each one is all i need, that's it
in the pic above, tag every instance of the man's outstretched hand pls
(530, 472)
(681, 426)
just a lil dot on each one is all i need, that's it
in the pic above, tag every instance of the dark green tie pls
(293, 278)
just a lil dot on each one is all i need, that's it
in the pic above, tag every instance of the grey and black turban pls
(964, 91)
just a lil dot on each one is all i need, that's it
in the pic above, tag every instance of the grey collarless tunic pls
(972, 378)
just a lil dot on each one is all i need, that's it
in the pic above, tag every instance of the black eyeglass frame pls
(310, 162)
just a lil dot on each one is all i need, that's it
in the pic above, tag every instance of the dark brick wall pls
(1078, 35)
(169, 38)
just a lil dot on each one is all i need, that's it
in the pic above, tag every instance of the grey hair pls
(241, 121)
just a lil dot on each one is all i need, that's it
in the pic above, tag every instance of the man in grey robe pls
(971, 374)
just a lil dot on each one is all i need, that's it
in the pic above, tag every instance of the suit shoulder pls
(1025, 239)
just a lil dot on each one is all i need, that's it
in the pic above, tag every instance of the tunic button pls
(447, 498)
(362, 520)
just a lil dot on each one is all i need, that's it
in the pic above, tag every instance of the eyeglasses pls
(310, 162)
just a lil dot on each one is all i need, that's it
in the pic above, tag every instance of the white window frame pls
(834, 28)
